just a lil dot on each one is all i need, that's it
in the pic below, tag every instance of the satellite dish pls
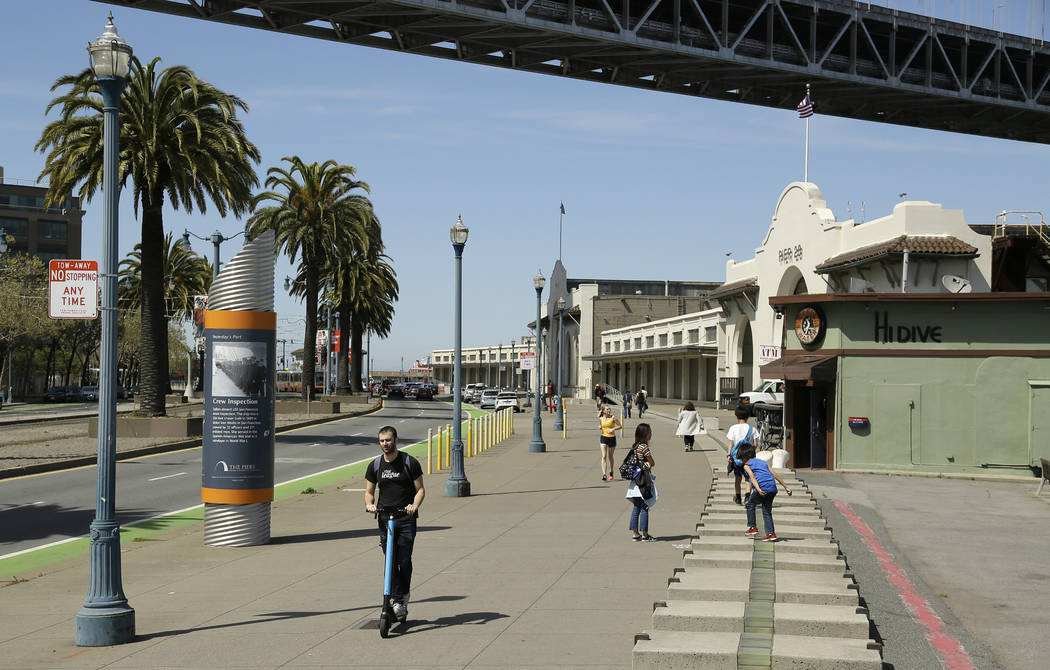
(956, 284)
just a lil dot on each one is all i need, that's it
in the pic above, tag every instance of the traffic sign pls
(528, 360)
(72, 289)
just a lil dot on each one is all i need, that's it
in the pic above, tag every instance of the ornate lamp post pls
(457, 485)
(559, 415)
(536, 444)
(106, 617)
(216, 239)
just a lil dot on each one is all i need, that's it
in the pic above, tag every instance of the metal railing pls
(1039, 230)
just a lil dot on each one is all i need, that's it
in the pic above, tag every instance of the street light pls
(106, 617)
(215, 238)
(537, 445)
(457, 485)
(559, 416)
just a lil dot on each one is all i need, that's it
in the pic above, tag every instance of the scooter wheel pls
(384, 625)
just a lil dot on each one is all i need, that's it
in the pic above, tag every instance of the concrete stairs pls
(742, 604)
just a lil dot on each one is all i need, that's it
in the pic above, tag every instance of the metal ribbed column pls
(246, 283)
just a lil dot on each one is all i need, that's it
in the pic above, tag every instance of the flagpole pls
(806, 179)
(561, 217)
(806, 176)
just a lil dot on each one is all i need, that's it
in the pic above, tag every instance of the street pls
(41, 509)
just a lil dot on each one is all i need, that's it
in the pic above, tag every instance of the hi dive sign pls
(72, 289)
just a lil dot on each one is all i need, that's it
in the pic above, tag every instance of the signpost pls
(528, 360)
(72, 289)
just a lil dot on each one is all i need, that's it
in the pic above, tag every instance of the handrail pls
(1041, 231)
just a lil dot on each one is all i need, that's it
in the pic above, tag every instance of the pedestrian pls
(628, 399)
(550, 397)
(640, 504)
(402, 486)
(763, 489)
(609, 424)
(738, 434)
(689, 425)
(641, 401)
(598, 395)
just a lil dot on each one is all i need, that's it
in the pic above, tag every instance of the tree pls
(367, 290)
(23, 306)
(314, 213)
(185, 275)
(180, 140)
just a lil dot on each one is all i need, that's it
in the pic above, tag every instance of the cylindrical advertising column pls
(240, 331)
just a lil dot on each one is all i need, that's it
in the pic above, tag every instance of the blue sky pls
(655, 185)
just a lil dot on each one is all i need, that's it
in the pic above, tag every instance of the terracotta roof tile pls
(923, 245)
(733, 288)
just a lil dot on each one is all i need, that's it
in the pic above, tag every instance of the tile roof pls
(923, 245)
(733, 288)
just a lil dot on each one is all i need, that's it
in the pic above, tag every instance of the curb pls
(168, 446)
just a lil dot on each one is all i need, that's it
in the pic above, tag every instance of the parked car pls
(424, 392)
(488, 398)
(769, 391)
(507, 399)
(472, 392)
(90, 393)
(63, 394)
(395, 391)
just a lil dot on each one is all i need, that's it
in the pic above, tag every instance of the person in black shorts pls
(399, 478)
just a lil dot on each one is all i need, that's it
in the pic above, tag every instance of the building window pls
(649, 341)
(472, 357)
(711, 334)
(626, 345)
(52, 230)
(663, 339)
(694, 336)
(607, 348)
(16, 227)
(616, 346)
(637, 343)
(678, 338)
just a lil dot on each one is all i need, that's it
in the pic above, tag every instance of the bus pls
(289, 381)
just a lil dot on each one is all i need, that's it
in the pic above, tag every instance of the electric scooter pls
(386, 616)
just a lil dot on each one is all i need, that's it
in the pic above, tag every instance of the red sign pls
(72, 288)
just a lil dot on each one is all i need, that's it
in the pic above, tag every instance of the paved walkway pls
(535, 569)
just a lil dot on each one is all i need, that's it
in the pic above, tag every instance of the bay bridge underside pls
(864, 61)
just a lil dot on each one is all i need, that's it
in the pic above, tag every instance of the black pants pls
(404, 540)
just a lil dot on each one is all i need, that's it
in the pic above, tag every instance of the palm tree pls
(180, 139)
(313, 214)
(185, 275)
(367, 289)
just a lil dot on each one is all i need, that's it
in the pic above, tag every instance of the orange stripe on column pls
(236, 496)
(214, 318)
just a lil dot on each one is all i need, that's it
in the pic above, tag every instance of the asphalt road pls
(41, 509)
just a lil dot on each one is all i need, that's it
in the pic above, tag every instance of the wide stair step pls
(702, 616)
(792, 586)
(784, 561)
(679, 650)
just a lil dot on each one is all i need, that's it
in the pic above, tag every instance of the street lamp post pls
(457, 485)
(106, 617)
(536, 444)
(216, 239)
(559, 416)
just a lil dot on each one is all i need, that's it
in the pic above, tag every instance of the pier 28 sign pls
(72, 289)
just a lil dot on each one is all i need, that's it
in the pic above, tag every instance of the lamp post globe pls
(457, 485)
(106, 617)
(536, 445)
(559, 415)
(3, 240)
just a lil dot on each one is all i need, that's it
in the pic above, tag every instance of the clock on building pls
(809, 326)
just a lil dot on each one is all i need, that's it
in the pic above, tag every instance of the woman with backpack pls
(641, 491)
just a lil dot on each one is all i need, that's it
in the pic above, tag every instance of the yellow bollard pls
(430, 438)
(467, 445)
(448, 444)
(564, 422)
(621, 424)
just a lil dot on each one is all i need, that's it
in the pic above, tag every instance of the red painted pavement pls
(949, 650)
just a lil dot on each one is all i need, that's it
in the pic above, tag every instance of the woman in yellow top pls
(609, 425)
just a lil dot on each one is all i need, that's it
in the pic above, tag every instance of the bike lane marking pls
(949, 650)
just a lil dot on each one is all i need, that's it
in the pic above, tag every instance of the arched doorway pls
(745, 355)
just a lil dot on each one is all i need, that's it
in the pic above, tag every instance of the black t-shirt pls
(396, 487)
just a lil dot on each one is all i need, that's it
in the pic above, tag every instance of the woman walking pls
(609, 425)
(689, 425)
(639, 522)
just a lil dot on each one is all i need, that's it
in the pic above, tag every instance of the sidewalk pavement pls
(535, 569)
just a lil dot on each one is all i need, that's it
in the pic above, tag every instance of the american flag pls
(805, 108)
(563, 208)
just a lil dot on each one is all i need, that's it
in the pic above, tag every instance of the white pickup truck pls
(769, 391)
